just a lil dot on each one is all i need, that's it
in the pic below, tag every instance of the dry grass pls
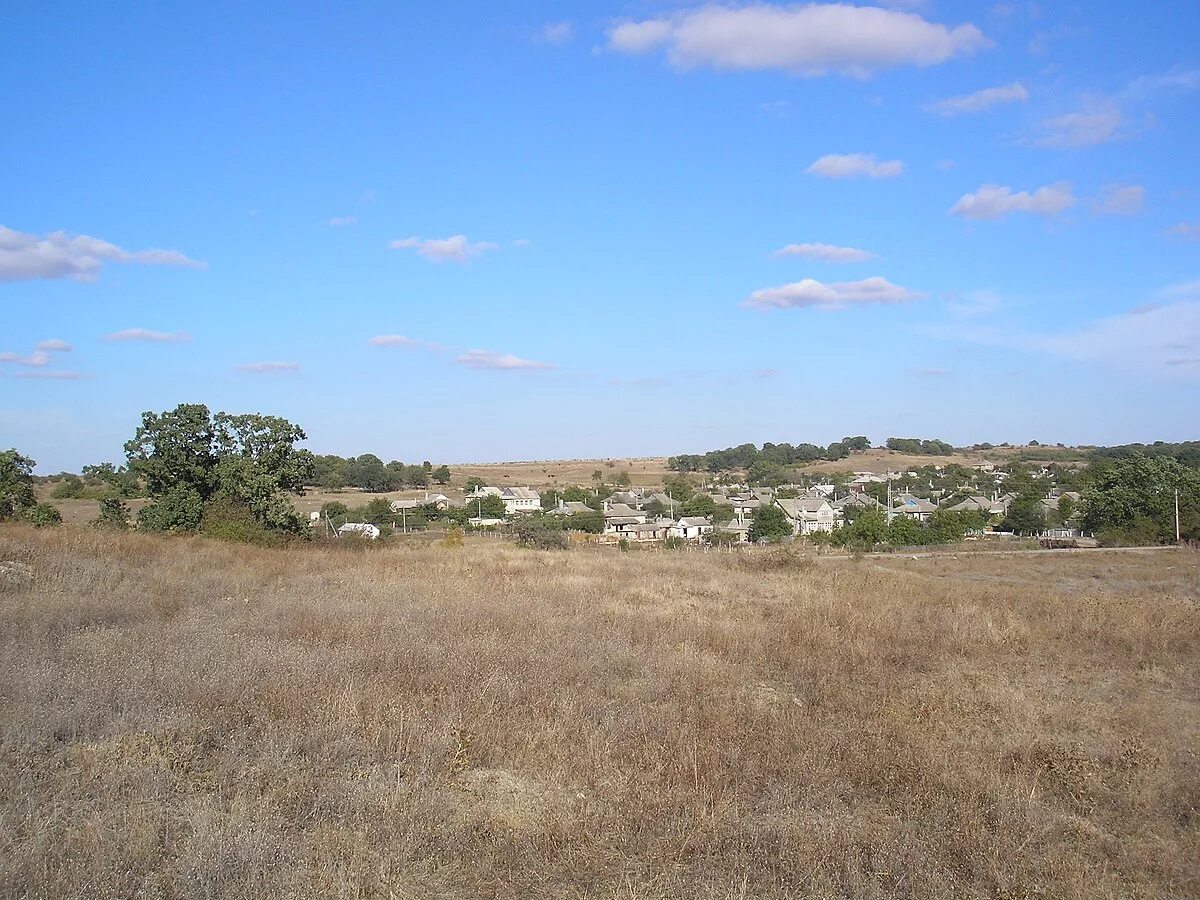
(183, 717)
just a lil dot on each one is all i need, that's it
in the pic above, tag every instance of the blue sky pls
(614, 229)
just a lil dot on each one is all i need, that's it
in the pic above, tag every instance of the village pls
(724, 511)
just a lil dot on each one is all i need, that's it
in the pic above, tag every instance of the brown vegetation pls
(187, 717)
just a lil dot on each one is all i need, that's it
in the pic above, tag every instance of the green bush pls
(43, 515)
(113, 514)
(540, 533)
(227, 519)
(180, 509)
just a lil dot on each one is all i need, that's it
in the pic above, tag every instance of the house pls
(623, 511)
(739, 528)
(359, 529)
(484, 490)
(629, 498)
(520, 500)
(914, 507)
(635, 529)
(974, 504)
(864, 500)
(406, 505)
(571, 508)
(691, 528)
(809, 514)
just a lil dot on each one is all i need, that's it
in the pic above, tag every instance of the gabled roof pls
(693, 521)
(804, 507)
(621, 509)
(520, 493)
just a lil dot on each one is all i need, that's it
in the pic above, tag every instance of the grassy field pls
(186, 717)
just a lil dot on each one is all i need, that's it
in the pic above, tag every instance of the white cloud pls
(1185, 230)
(33, 359)
(974, 304)
(400, 340)
(811, 39)
(854, 165)
(1186, 289)
(59, 255)
(455, 248)
(838, 295)
(53, 375)
(556, 34)
(980, 100)
(825, 253)
(1098, 124)
(53, 345)
(266, 368)
(945, 165)
(1120, 200)
(994, 201)
(486, 359)
(148, 334)
(343, 221)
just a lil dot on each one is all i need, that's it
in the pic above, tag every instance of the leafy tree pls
(680, 489)
(489, 507)
(770, 524)
(188, 457)
(1025, 515)
(475, 482)
(43, 515)
(441, 475)
(870, 527)
(905, 532)
(368, 473)
(1134, 498)
(1066, 509)
(179, 509)
(700, 505)
(114, 514)
(540, 533)
(417, 476)
(16, 484)
(122, 481)
(654, 509)
(575, 494)
(591, 522)
(623, 479)
(857, 444)
(71, 487)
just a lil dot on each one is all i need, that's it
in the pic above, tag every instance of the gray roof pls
(694, 521)
(620, 509)
(520, 493)
(804, 507)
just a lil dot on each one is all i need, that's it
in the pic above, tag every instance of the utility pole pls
(1178, 542)
(889, 496)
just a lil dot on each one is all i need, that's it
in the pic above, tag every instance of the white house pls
(691, 528)
(915, 507)
(809, 514)
(359, 529)
(520, 500)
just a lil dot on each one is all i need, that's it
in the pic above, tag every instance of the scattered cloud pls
(25, 257)
(965, 104)
(404, 342)
(1175, 79)
(343, 221)
(53, 345)
(854, 165)
(1098, 123)
(945, 165)
(812, 39)
(521, 243)
(1149, 339)
(268, 368)
(811, 293)
(994, 201)
(1120, 200)
(486, 359)
(930, 372)
(148, 334)
(825, 253)
(557, 34)
(1185, 230)
(53, 375)
(780, 109)
(1186, 289)
(974, 304)
(455, 248)
(32, 359)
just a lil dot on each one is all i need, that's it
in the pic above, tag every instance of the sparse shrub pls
(114, 514)
(180, 509)
(540, 533)
(43, 515)
(227, 519)
(673, 543)
(71, 487)
(453, 538)
(623, 545)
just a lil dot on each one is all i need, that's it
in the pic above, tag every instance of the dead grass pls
(185, 717)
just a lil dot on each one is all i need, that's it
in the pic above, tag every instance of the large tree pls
(1133, 500)
(187, 457)
(16, 484)
(770, 524)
